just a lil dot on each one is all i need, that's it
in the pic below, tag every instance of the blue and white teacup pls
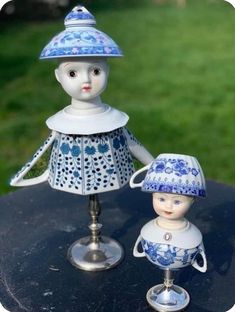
(167, 256)
(172, 173)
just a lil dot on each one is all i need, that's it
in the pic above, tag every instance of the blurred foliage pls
(53, 9)
(176, 82)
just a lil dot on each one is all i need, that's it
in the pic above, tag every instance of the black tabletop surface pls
(38, 224)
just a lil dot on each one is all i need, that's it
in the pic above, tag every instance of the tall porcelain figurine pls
(170, 241)
(91, 149)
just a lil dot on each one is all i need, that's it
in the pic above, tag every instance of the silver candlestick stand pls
(167, 296)
(95, 252)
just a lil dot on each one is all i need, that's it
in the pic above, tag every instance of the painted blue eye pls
(177, 202)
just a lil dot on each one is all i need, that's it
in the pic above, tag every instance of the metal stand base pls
(90, 256)
(163, 299)
(167, 297)
(95, 252)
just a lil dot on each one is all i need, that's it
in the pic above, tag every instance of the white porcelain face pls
(83, 79)
(171, 206)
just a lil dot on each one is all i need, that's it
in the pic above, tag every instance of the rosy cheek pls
(95, 85)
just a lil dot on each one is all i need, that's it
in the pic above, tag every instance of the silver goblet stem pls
(95, 252)
(168, 279)
(94, 211)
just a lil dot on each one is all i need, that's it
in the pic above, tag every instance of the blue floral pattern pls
(80, 38)
(90, 164)
(78, 14)
(164, 255)
(179, 167)
(174, 175)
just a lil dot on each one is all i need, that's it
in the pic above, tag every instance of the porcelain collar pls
(189, 237)
(106, 121)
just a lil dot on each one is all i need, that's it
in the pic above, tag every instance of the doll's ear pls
(57, 75)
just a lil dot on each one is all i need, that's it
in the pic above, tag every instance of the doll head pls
(171, 206)
(175, 180)
(82, 51)
(83, 79)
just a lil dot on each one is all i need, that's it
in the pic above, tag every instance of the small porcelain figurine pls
(170, 241)
(91, 148)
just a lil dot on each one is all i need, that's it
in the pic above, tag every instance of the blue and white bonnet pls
(80, 39)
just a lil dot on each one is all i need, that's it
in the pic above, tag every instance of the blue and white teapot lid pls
(173, 173)
(80, 39)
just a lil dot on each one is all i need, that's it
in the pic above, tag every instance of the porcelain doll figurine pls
(91, 149)
(170, 241)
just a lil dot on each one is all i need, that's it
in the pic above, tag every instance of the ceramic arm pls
(137, 149)
(18, 180)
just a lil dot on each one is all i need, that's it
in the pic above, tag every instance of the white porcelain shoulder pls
(109, 120)
(190, 237)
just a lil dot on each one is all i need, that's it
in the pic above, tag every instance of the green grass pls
(176, 82)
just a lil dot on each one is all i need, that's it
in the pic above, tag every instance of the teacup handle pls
(136, 253)
(134, 185)
(197, 266)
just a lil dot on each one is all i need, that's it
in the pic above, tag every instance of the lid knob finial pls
(79, 16)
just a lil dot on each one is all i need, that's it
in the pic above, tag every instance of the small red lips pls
(86, 88)
(168, 212)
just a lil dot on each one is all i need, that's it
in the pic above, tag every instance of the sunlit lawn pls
(176, 82)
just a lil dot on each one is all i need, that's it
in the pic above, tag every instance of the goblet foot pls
(164, 299)
(95, 256)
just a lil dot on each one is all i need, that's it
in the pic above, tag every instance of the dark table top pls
(38, 224)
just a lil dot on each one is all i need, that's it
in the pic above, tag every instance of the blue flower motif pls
(160, 166)
(168, 257)
(75, 151)
(116, 143)
(194, 172)
(85, 36)
(180, 168)
(165, 188)
(109, 171)
(76, 174)
(122, 140)
(168, 170)
(183, 171)
(151, 249)
(65, 148)
(185, 257)
(90, 150)
(103, 148)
